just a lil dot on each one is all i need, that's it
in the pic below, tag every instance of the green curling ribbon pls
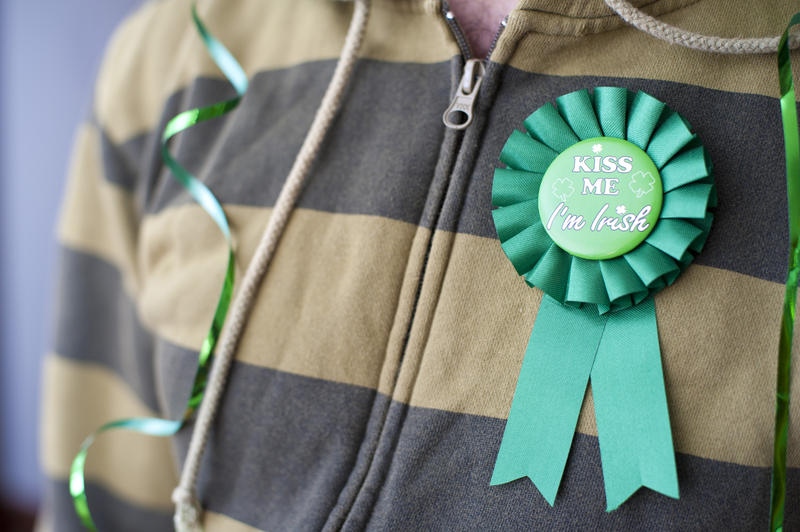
(597, 318)
(792, 151)
(163, 427)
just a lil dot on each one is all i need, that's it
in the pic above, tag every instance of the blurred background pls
(50, 51)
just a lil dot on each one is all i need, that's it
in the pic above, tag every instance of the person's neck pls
(480, 20)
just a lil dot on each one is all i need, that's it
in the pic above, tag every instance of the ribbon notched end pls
(663, 482)
(548, 398)
(505, 472)
(630, 407)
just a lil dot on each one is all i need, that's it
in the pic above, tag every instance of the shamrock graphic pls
(621, 210)
(642, 183)
(597, 148)
(562, 188)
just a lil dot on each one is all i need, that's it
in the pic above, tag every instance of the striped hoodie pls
(371, 387)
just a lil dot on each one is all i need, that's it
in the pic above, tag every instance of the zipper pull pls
(464, 99)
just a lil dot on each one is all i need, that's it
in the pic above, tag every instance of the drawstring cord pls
(187, 516)
(721, 45)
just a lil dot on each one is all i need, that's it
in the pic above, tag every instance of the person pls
(376, 365)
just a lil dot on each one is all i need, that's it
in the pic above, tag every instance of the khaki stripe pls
(571, 46)
(160, 49)
(718, 332)
(98, 216)
(325, 308)
(425, 319)
(318, 321)
(480, 321)
(214, 522)
(406, 311)
(78, 398)
(328, 309)
(269, 35)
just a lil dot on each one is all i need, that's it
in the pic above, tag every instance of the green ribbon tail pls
(206, 199)
(549, 395)
(630, 407)
(621, 354)
(784, 376)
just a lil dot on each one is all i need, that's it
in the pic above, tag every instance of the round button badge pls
(600, 198)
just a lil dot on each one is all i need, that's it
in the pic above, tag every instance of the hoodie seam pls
(522, 20)
(592, 17)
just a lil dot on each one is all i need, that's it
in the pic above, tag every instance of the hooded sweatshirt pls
(373, 380)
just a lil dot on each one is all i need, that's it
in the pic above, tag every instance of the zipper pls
(450, 18)
(464, 99)
(496, 38)
(458, 114)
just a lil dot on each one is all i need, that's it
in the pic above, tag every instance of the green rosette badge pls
(603, 202)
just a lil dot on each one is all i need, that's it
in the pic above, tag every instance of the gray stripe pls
(437, 477)
(283, 448)
(245, 156)
(120, 162)
(97, 322)
(109, 512)
(287, 452)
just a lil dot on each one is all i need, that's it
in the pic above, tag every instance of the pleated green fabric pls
(685, 168)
